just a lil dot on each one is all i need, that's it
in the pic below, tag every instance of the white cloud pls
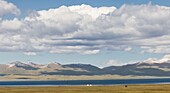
(8, 8)
(30, 53)
(165, 58)
(128, 49)
(14, 24)
(93, 12)
(88, 30)
(112, 62)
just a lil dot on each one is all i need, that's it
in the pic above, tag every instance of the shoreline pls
(65, 77)
(84, 85)
(87, 82)
(82, 79)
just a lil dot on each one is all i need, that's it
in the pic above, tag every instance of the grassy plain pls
(159, 88)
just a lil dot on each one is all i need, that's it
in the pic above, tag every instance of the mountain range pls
(150, 67)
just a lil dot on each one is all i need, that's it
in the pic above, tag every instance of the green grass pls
(93, 89)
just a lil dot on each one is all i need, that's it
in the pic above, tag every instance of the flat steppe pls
(154, 88)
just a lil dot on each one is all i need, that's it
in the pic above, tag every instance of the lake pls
(85, 82)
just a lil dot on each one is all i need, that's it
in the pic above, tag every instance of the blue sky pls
(115, 35)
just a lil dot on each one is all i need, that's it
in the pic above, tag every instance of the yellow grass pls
(160, 88)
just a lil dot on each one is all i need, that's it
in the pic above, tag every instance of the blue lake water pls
(85, 82)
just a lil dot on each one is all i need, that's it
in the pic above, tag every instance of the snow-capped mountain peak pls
(17, 63)
(10, 65)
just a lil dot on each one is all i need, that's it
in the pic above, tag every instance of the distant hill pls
(146, 68)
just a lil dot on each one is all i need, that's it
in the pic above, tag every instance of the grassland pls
(92, 89)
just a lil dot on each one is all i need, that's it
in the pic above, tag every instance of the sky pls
(98, 32)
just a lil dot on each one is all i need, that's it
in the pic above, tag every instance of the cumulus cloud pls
(88, 30)
(14, 24)
(8, 8)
